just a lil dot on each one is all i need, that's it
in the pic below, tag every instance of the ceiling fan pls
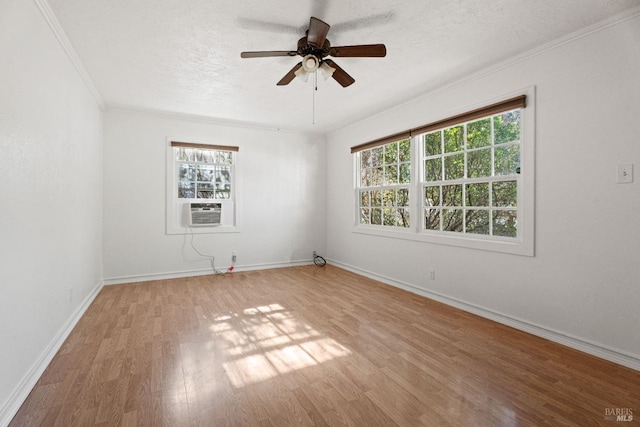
(314, 48)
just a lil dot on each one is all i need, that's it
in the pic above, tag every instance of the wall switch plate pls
(625, 173)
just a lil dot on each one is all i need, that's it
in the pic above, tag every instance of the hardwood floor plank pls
(310, 346)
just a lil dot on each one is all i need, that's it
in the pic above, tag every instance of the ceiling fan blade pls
(363, 50)
(318, 31)
(268, 53)
(339, 74)
(290, 75)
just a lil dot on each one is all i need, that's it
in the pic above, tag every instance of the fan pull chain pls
(313, 97)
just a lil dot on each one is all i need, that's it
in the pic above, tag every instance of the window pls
(466, 180)
(201, 173)
(384, 176)
(470, 176)
(204, 173)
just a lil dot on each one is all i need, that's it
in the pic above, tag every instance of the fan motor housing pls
(304, 48)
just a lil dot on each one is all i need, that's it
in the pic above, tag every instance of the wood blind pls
(204, 146)
(489, 110)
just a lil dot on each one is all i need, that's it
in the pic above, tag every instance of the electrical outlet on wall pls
(234, 256)
(432, 274)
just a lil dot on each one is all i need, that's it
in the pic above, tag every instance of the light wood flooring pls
(312, 346)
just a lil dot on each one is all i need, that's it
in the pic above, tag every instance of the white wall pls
(50, 197)
(282, 196)
(584, 281)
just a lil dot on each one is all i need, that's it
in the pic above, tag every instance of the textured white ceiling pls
(183, 56)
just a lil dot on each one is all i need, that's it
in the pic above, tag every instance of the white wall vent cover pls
(204, 214)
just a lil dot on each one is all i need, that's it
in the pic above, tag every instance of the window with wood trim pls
(384, 177)
(473, 180)
(201, 173)
(204, 173)
(470, 176)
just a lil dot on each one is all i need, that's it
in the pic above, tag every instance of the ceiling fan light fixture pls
(302, 74)
(310, 63)
(326, 70)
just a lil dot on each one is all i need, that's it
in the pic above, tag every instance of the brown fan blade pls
(318, 31)
(268, 53)
(339, 74)
(290, 75)
(363, 50)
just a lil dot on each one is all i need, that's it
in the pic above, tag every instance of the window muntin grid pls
(470, 174)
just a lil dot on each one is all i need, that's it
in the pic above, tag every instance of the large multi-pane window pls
(384, 176)
(460, 180)
(204, 173)
(470, 176)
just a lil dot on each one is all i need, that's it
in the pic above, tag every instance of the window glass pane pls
(224, 157)
(391, 175)
(432, 219)
(185, 154)
(477, 222)
(433, 169)
(365, 215)
(366, 177)
(506, 127)
(478, 195)
(452, 220)
(404, 148)
(505, 194)
(452, 195)
(507, 160)
(364, 198)
(365, 159)
(376, 176)
(205, 190)
(433, 143)
(223, 178)
(207, 156)
(479, 133)
(391, 153)
(389, 216)
(376, 198)
(479, 163)
(376, 216)
(453, 139)
(186, 190)
(186, 173)
(205, 173)
(454, 166)
(376, 156)
(388, 197)
(402, 197)
(432, 196)
(403, 219)
(405, 173)
(505, 223)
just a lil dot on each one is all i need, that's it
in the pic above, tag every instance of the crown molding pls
(54, 24)
(508, 62)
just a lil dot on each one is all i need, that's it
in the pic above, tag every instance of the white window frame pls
(409, 186)
(177, 209)
(523, 244)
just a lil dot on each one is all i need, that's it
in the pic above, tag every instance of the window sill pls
(492, 244)
(204, 230)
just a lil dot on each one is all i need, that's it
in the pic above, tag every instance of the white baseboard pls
(200, 272)
(19, 395)
(607, 353)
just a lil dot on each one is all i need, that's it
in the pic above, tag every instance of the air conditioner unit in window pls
(204, 214)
